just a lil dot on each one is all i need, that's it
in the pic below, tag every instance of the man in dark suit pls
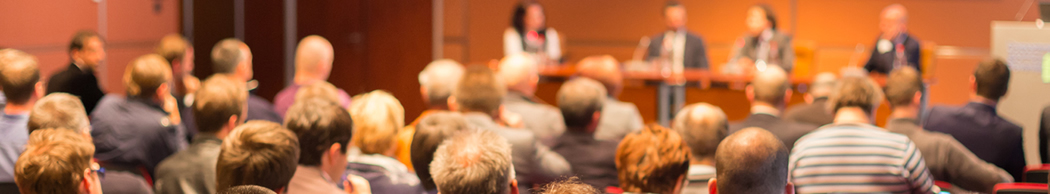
(815, 110)
(769, 92)
(86, 52)
(680, 49)
(594, 161)
(763, 42)
(618, 118)
(978, 126)
(895, 47)
(478, 96)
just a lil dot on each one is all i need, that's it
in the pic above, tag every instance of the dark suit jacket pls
(134, 132)
(695, 55)
(781, 51)
(81, 83)
(1044, 135)
(948, 160)
(534, 163)
(191, 170)
(545, 121)
(593, 160)
(978, 127)
(788, 132)
(816, 113)
(883, 62)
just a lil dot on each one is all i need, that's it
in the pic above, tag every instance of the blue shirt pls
(13, 136)
(134, 132)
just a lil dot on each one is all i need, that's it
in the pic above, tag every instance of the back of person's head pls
(438, 80)
(320, 89)
(19, 76)
(430, 132)
(80, 39)
(247, 189)
(314, 57)
(702, 126)
(59, 110)
(751, 160)
(218, 101)
(902, 86)
(770, 86)
(479, 90)
(319, 124)
(475, 162)
(519, 72)
(569, 186)
(378, 118)
(145, 75)
(857, 92)
(822, 85)
(54, 161)
(604, 69)
(173, 47)
(257, 153)
(992, 79)
(578, 100)
(227, 54)
(654, 160)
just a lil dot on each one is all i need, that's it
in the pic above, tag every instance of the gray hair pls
(473, 162)
(226, 55)
(439, 78)
(578, 99)
(703, 126)
(59, 110)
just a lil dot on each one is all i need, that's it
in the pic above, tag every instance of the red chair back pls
(1036, 174)
(1020, 188)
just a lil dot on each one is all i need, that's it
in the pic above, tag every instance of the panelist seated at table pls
(529, 33)
(676, 45)
(763, 44)
(895, 47)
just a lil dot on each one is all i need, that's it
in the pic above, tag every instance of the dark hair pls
(518, 19)
(670, 4)
(901, 86)
(992, 77)
(770, 16)
(248, 189)
(319, 124)
(19, 75)
(257, 153)
(479, 90)
(430, 132)
(80, 38)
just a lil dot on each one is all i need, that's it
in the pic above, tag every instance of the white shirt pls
(677, 49)
(512, 43)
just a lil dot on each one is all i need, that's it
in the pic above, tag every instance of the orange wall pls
(44, 28)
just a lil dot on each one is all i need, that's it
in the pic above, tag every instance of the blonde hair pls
(146, 74)
(378, 118)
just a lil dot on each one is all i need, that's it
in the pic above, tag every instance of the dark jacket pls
(815, 113)
(978, 127)
(695, 55)
(534, 163)
(134, 133)
(948, 160)
(883, 62)
(1044, 135)
(781, 51)
(191, 170)
(788, 132)
(78, 82)
(592, 160)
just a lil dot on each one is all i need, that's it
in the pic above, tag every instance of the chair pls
(1036, 174)
(8, 188)
(1020, 188)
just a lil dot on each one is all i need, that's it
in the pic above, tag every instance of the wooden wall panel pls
(264, 33)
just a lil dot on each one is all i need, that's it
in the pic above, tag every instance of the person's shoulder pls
(109, 104)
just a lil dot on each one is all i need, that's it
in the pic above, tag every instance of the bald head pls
(751, 160)
(438, 80)
(770, 86)
(604, 69)
(893, 20)
(519, 73)
(313, 58)
(702, 126)
(822, 85)
(19, 76)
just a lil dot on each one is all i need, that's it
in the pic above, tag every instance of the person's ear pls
(452, 106)
(38, 89)
(334, 150)
(514, 186)
(973, 84)
(750, 92)
(789, 189)
(712, 186)
(597, 116)
(163, 91)
(231, 123)
(917, 98)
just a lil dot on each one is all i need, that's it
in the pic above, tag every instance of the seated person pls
(257, 153)
(763, 44)
(20, 81)
(618, 118)
(751, 160)
(220, 104)
(702, 127)
(378, 118)
(529, 33)
(654, 160)
(591, 159)
(814, 111)
(895, 47)
(826, 160)
(430, 132)
(313, 64)
(57, 161)
(520, 76)
(248, 189)
(475, 162)
(436, 82)
(233, 58)
(179, 53)
(570, 186)
(324, 130)
(769, 92)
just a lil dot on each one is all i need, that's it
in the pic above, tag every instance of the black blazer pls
(883, 63)
(788, 132)
(81, 83)
(593, 160)
(695, 53)
(815, 113)
(1044, 135)
(978, 127)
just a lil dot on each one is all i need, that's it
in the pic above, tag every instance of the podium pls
(1022, 45)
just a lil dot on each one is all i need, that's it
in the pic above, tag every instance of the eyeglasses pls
(101, 172)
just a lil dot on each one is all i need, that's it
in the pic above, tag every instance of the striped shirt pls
(858, 158)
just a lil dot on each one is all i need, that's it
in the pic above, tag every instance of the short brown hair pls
(216, 101)
(319, 124)
(59, 110)
(992, 77)
(578, 100)
(855, 91)
(172, 47)
(902, 85)
(479, 90)
(80, 38)
(54, 161)
(702, 126)
(247, 189)
(378, 119)
(257, 153)
(227, 54)
(321, 89)
(145, 74)
(569, 186)
(430, 132)
(651, 160)
(19, 75)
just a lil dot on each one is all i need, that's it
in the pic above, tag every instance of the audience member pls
(20, 81)
(763, 43)
(257, 153)
(323, 90)
(895, 46)
(978, 125)
(945, 157)
(681, 48)
(570, 186)
(324, 131)
(529, 33)
(378, 118)
(769, 92)
(57, 161)
(59, 110)
(476, 162)
(313, 63)
(654, 160)
(234, 59)
(436, 82)
(431, 130)
(248, 189)
(751, 160)
(618, 118)
(135, 133)
(221, 103)
(814, 111)
(702, 127)
(591, 159)
(86, 53)
(852, 155)
(179, 53)
(520, 76)
(1044, 135)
